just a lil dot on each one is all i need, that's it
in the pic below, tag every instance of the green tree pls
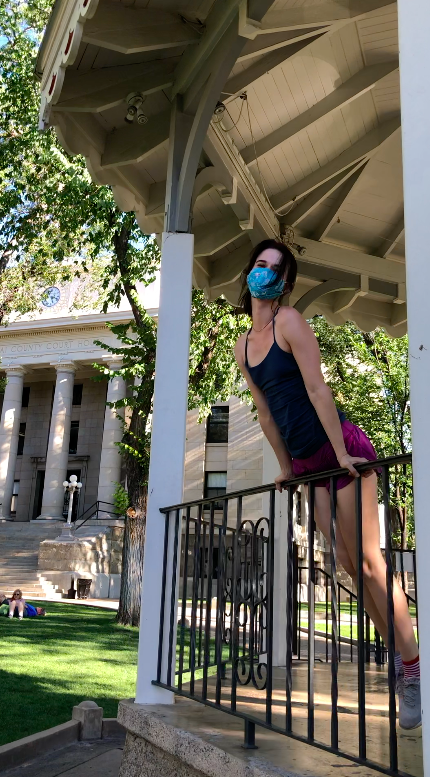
(368, 373)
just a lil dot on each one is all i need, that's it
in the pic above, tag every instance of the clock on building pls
(50, 297)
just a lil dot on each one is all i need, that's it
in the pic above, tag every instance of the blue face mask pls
(263, 285)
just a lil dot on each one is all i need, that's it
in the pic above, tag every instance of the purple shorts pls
(357, 443)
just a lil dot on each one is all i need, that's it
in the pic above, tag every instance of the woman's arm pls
(297, 332)
(268, 426)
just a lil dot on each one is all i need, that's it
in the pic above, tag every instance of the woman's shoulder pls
(289, 317)
(239, 348)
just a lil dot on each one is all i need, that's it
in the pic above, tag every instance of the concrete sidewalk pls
(101, 758)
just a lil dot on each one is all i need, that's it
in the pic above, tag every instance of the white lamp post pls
(72, 486)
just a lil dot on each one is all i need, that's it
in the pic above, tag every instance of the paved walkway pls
(82, 759)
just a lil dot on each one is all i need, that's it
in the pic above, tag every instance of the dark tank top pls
(279, 378)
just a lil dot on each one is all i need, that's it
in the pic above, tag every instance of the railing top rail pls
(404, 458)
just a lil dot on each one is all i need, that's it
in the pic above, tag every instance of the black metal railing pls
(218, 627)
(93, 513)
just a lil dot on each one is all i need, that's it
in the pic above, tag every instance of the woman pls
(17, 603)
(24, 609)
(280, 360)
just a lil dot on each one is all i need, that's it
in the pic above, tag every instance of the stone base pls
(187, 739)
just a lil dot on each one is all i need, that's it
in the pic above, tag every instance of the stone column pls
(110, 460)
(58, 446)
(9, 432)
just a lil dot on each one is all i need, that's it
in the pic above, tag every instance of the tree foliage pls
(368, 373)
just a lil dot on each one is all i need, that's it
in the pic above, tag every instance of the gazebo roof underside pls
(309, 138)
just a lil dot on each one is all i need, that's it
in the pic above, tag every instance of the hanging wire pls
(244, 98)
(278, 211)
(228, 129)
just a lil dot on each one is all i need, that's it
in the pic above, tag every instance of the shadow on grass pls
(47, 665)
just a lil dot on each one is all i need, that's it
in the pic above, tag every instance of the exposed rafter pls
(318, 291)
(194, 62)
(334, 257)
(100, 90)
(211, 237)
(133, 143)
(387, 246)
(228, 269)
(333, 213)
(343, 300)
(264, 44)
(363, 148)
(360, 83)
(318, 195)
(236, 84)
(324, 13)
(130, 29)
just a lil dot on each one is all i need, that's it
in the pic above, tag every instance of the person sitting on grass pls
(23, 608)
(17, 604)
(4, 604)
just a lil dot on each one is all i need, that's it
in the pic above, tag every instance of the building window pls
(15, 493)
(25, 396)
(74, 433)
(217, 425)
(21, 439)
(215, 485)
(77, 394)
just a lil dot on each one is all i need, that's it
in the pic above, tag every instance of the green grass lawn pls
(47, 665)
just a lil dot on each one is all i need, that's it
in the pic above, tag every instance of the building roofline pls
(117, 317)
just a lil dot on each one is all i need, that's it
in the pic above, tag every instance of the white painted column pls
(110, 459)
(9, 433)
(271, 470)
(414, 23)
(166, 472)
(57, 455)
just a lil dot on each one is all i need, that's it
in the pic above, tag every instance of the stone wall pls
(97, 555)
(245, 458)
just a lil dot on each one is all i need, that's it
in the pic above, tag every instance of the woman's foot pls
(10, 616)
(410, 704)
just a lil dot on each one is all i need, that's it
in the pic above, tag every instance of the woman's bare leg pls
(322, 519)
(374, 566)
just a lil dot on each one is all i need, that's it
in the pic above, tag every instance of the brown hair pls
(287, 266)
(18, 593)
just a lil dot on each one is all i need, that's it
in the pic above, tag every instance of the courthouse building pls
(55, 421)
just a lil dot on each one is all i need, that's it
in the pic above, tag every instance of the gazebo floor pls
(252, 701)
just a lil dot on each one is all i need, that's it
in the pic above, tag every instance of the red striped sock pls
(412, 668)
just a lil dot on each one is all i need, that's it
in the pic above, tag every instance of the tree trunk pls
(131, 574)
(134, 532)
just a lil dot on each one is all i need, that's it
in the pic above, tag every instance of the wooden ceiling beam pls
(134, 142)
(99, 90)
(211, 237)
(335, 257)
(324, 14)
(359, 84)
(308, 204)
(362, 149)
(131, 30)
(238, 83)
(266, 43)
(332, 216)
(387, 246)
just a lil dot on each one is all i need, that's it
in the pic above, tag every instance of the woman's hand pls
(347, 462)
(286, 474)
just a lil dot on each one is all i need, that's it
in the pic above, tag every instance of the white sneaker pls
(410, 704)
